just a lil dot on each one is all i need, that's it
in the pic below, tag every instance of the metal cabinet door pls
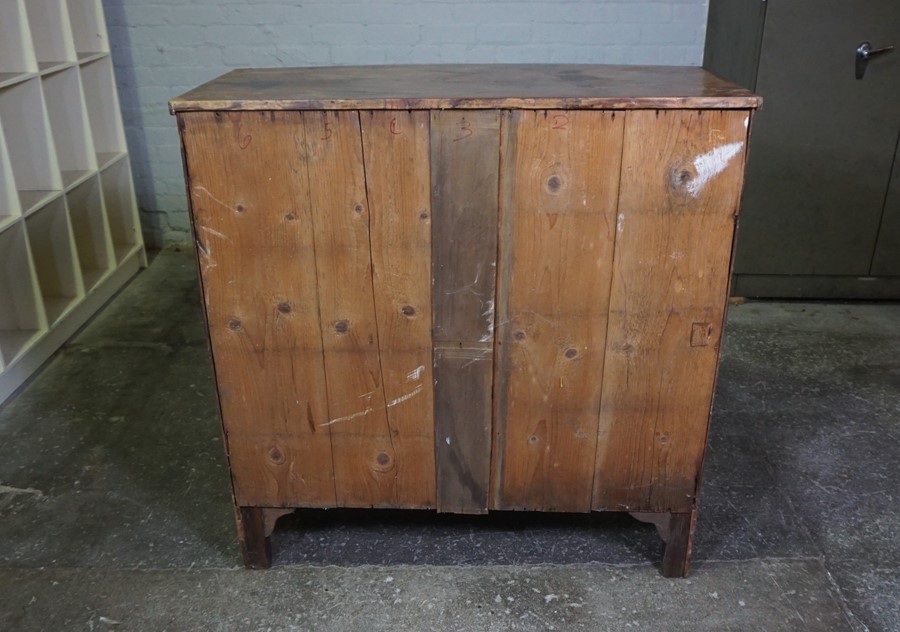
(824, 143)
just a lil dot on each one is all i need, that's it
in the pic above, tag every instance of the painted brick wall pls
(162, 48)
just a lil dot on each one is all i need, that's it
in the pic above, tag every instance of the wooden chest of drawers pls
(466, 288)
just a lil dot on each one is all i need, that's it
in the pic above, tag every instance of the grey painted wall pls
(162, 48)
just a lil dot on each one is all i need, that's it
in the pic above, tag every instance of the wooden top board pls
(470, 86)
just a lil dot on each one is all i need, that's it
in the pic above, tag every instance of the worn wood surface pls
(465, 147)
(561, 176)
(468, 86)
(395, 150)
(679, 195)
(257, 266)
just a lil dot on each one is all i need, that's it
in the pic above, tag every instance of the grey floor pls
(115, 514)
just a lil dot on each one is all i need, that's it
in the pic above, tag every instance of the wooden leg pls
(255, 526)
(256, 546)
(677, 558)
(677, 531)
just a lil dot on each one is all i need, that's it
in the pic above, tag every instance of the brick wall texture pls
(162, 48)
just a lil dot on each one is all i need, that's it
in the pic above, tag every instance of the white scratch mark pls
(550, 597)
(415, 374)
(676, 255)
(747, 122)
(447, 440)
(199, 188)
(620, 222)
(485, 338)
(207, 229)
(346, 417)
(405, 397)
(711, 164)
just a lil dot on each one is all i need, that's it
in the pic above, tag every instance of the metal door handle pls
(865, 52)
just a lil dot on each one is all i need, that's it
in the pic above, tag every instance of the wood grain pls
(466, 86)
(681, 182)
(395, 150)
(564, 170)
(364, 452)
(465, 151)
(257, 268)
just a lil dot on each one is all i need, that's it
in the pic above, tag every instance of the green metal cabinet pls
(821, 214)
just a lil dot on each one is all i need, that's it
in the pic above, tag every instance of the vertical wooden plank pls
(561, 203)
(365, 458)
(465, 148)
(681, 180)
(395, 153)
(257, 269)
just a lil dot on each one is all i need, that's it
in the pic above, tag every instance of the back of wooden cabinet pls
(465, 309)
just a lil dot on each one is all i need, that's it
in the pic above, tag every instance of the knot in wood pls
(276, 456)
(284, 308)
(571, 353)
(382, 459)
(234, 324)
(519, 335)
(408, 310)
(342, 326)
(554, 184)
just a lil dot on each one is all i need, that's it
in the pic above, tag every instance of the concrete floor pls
(115, 514)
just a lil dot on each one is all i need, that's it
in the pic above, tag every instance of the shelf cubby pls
(22, 318)
(29, 144)
(88, 28)
(121, 208)
(69, 123)
(51, 34)
(103, 111)
(53, 249)
(63, 160)
(92, 240)
(9, 199)
(17, 59)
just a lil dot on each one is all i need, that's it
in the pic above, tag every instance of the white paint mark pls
(405, 397)
(747, 123)
(346, 417)
(388, 579)
(415, 374)
(711, 164)
(447, 440)
(676, 255)
(485, 338)
(620, 222)
(207, 229)
(550, 597)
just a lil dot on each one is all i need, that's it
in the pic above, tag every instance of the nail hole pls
(519, 334)
(408, 310)
(382, 458)
(284, 308)
(341, 326)
(359, 208)
(571, 353)
(234, 324)
(554, 183)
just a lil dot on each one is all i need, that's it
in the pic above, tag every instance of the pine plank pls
(560, 189)
(395, 150)
(465, 148)
(681, 183)
(257, 266)
(365, 455)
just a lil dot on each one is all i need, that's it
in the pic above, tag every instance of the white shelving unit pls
(69, 229)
